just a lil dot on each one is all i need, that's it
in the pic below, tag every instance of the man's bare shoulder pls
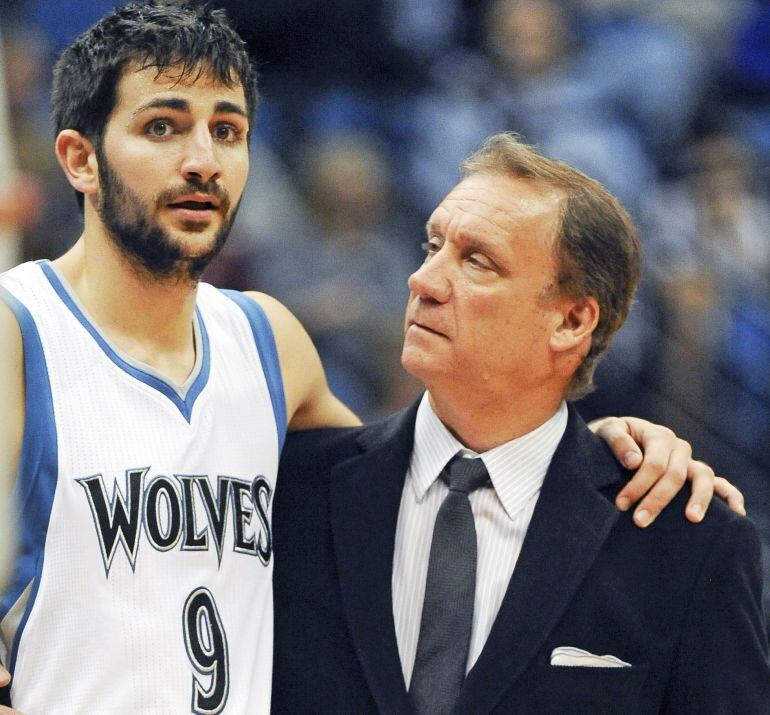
(267, 301)
(296, 352)
(11, 396)
(8, 323)
(285, 325)
(12, 353)
(309, 402)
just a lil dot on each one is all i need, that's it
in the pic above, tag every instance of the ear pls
(579, 319)
(77, 159)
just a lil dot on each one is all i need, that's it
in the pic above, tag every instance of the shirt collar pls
(517, 468)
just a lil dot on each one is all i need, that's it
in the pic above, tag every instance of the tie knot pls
(464, 475)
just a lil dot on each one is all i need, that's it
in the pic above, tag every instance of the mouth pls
(196, 202)
(195, 208)
(425, 328)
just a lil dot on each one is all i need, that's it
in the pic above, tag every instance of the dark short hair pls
(597, 249)
(158, 34)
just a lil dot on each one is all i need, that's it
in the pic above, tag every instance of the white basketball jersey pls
(143, 582)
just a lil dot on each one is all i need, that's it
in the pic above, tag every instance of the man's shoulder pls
(327, 444)
(722, 536)
(584, 455)
(317, 450)
(674, 552)
(671, 533)
(332, 444)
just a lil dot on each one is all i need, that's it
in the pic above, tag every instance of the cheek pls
(234, 161)
(240, 166)
(497, 330)
(488, 319)
(140, 172)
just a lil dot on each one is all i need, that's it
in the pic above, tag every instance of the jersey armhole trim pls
(268, 354)
(35, 486)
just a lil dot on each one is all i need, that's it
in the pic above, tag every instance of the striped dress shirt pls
(502, 514)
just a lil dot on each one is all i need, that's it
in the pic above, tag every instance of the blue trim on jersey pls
(185, 406)
(38, 469)
(268, 354)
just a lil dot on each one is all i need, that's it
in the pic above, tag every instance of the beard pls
(143, 241)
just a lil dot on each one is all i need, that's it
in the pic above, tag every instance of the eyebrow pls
(468, 241)
(182, 105)
(230, 108)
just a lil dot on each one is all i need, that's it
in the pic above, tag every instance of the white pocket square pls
(568, 655)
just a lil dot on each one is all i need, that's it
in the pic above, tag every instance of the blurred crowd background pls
(367, 109)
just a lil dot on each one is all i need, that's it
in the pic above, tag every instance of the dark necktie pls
(447, 612)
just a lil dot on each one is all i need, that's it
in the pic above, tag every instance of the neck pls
(484, 424)
(141, 314)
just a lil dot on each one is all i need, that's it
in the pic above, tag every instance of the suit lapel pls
(570, 523)
(365, 500)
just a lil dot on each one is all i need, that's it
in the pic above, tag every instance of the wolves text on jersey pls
(183, 508)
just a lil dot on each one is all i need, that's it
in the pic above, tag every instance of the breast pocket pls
(575, 690)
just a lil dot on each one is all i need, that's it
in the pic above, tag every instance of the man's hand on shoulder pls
(664, 463)
(309, 401)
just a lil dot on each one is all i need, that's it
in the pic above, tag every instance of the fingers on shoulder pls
(660, 478)
(661, 475)
(730, 493)
(610, 428)
(702, 489)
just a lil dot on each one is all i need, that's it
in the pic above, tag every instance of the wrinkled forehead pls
(501, 203)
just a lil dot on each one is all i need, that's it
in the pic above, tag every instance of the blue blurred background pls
(367, 110)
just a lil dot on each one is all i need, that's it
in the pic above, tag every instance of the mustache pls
(192, 186)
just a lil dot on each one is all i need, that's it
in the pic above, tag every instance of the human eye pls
(227, 133)
(479, 261)
(431, 246)
(159, 128)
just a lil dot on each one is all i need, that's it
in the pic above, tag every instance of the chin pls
(421, 365)
(197, 247)
(197, 241)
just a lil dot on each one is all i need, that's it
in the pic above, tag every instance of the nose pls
(431, 280)
(200, 161)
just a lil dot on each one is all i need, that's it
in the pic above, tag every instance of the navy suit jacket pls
(680, 602)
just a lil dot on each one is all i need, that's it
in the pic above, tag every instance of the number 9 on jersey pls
(206, 645)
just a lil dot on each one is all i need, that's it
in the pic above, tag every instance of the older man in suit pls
(466, 555)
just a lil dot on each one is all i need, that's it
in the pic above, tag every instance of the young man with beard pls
(148, 409)
(154, 406)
